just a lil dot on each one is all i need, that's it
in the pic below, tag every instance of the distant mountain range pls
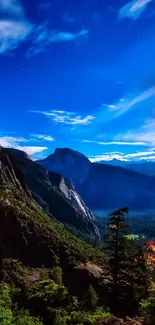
(143, 167)
(103, 186)
(56, 195)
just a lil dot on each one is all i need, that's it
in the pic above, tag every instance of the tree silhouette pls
(127, 266)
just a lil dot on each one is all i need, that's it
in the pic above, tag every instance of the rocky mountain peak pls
(68, 162)
(68, 157)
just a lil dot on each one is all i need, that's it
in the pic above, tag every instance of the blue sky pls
(78, 74)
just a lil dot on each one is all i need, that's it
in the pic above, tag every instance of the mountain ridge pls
(56, 193)
(103, 186)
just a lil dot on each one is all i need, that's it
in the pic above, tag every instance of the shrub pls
(6, 315)
(56, 275)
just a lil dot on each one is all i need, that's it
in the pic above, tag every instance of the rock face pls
(56, 195)
(100, 185)
(10, 174)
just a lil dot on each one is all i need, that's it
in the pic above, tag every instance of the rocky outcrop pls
(102, 186)
(119, 321)
(10, 174)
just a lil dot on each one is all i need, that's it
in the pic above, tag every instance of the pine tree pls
(91, 299)
(127, 266)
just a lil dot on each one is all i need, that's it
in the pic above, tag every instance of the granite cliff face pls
(103, 186)
(26, 232)
(9, 174)
(56, 195)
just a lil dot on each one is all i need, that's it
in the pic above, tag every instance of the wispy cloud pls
(107, 157)
(136, 156)
(118, 143)
(133, 9)
(67, 36)
(30, 150)
(129, 102)
(109, 106)
(44, 36)
(140, 154)
(9, 141)
(64, 117)
(15, 28)
(134, 138)
(18, 143)
(12, 33)
(42, 137)
(144, 134)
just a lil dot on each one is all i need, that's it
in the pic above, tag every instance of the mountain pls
(142, 167)
(69, 162)
(103, 186)
(56, 194)
(28, 235)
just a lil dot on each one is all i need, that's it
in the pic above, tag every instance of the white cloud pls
(136, 156)
(124, 104)
(147, 158)
(15, 28)
(140, 154)
(133, 9)
(12, 33)
(44, 36)
(66, 36)
(109, 106)
(30, 150)
(145, 134)
(64, 117)
(15, 142)
(42, 137)
(119, 143)
(149, 124)
(10, 142)
(106, 157)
